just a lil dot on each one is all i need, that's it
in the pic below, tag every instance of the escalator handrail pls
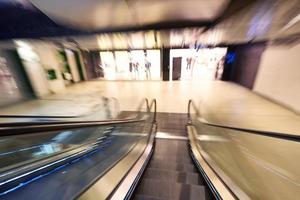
(22, 124)
(53, 116)
(153, 103)
(33, 127)
(149, 108)
(279, 135)
(30, 123)
(7, 131)
(150, 105)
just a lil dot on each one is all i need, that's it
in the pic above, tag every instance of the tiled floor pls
(219, 102)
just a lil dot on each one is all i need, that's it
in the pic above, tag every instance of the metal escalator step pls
(171, 116)
(173, 166)
(171, 190)
(183, 159)
(172, 125)
(173, 176)
(146, 197)
(172, 131)
(171, 146)
(178, 154)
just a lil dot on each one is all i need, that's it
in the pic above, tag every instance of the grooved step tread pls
(175, 144)
(171, 190)
(147, 197)
(179, 154)
(161, 158)
(184, 167)
(173, 176)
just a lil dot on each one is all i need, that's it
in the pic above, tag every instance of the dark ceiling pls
(22, 18)
(216, 22)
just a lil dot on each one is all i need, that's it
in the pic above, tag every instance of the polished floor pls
(219, 102)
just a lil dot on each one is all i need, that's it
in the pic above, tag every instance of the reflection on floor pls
(219, 102)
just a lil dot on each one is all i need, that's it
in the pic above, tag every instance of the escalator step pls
(173, 176)
(172, 132)
(147, 197)
(183, 167)
(172, 124)
(178, 154)
(171, 147)
(170, 190)
(183, 159)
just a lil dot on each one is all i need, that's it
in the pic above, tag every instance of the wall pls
(82, 63)
(73, 65)
(14, 85)
(89, 64)
(246, 64)
(37, 78)
(33, 69)
(47, 53)
(165, 55)
(278, 77)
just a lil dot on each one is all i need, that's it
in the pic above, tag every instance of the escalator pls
(145, 157)
(171, 173)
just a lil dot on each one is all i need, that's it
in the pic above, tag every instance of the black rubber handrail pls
(279, 135)
(33, 127)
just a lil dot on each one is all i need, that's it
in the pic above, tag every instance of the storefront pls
(131, 65)
(201, 64)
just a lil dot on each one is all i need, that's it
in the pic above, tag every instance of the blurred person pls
(131, 68)
(192, 65)
(219, 68)
(136, 70)
(100, 71)
(147, 68)
(188, 62)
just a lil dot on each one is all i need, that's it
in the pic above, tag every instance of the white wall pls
(278, 76)
(33, 68)
(73, 65)
(47, 53)
(83, 68)
(37, 78)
